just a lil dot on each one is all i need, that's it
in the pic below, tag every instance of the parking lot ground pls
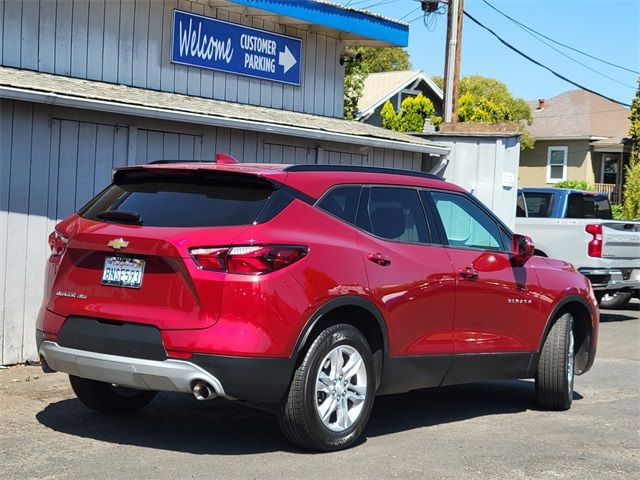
(488, 430)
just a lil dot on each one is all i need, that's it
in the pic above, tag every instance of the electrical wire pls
(374, 4)
(410, 13)
(525, 27)
(598, 72)
(536, 62)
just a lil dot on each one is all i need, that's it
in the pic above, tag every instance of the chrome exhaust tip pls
(203, 391)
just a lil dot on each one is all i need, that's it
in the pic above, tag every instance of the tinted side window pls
(188, 200)
(342, 202)
(396, 214)
(465, 224)
(538, 204)
(588, 206)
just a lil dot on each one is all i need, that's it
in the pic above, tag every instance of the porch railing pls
(612, 189)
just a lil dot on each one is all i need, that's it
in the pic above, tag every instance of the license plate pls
(122, 272)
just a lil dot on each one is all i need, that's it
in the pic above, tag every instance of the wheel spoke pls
(343, 414)
(326, 408)
(360, 390)
(355, 397)
(352, 366)
(336, 361)
(324, 379)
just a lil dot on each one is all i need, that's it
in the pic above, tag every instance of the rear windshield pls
(180, 200)
(538, 204)
(588, 206)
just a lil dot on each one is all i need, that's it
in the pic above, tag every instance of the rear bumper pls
(612, 278)
(258, 381)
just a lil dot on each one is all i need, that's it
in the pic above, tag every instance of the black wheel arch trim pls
(563, 302)
(342, 301)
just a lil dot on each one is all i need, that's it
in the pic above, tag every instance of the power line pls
(522, 25)
(410, 13)
(536, 62)
(375, 4)
(528, 31)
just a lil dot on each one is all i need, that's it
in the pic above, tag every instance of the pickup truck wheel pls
(107, 398)
(554, 380)
(615, 299)
(331, 394)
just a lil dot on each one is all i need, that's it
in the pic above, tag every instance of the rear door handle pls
(468, 273)
(380, 259)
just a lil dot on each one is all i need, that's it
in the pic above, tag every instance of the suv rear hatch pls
(128, 251)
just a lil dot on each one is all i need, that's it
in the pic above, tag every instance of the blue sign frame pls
(205, 42)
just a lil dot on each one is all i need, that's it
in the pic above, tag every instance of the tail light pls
(250, 259)
(594, 249)
(57, 243)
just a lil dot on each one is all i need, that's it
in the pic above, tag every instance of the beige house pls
(579, 136)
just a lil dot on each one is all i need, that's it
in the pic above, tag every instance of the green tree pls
(484, 99)
(411, 117)
(372, 60)
(631, 194)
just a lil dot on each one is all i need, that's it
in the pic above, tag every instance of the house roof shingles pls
(578, 114)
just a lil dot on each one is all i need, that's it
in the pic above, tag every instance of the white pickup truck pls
(577, 227)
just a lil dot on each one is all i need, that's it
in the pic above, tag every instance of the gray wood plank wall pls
(53, 160)
(129, 42)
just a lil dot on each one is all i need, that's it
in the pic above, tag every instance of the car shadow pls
(607, 316)
(436, 406)
(177, 422)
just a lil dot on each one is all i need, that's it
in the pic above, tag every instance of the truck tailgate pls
(621, 239)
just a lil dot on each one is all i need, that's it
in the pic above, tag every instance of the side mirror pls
(522, 249)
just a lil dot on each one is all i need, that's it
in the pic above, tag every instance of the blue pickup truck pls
(577, 226)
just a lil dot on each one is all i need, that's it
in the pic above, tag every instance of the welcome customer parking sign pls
(206, 42)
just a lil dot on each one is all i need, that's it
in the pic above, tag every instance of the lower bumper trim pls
(159, 375)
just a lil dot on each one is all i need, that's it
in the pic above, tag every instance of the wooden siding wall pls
(54, 159)
(129, 42)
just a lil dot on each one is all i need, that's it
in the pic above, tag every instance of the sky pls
(607, 29)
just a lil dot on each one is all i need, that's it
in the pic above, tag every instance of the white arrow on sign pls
(286, 59)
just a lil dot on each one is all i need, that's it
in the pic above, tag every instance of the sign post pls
(206, 42)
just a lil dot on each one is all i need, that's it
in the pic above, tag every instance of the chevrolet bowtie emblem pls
(118, 243)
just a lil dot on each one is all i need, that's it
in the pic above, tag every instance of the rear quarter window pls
(342, 202)
(585, 205)
(182, 200)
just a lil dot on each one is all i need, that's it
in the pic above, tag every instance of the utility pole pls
(452, 59)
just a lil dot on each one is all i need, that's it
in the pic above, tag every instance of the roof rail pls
(360, 169)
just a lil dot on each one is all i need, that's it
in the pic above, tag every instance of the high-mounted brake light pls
(57, 243)
(594, 249)
(249, 259)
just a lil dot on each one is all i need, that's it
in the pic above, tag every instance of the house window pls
(556, 164)
(610, 168)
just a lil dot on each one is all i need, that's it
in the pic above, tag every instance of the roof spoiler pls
(221, 159)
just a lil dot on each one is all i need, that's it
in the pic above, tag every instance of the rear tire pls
(331, 394)
(107, 398)
(554, 380)
(615, 299)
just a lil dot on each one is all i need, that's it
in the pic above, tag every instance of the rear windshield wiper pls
(121, 216)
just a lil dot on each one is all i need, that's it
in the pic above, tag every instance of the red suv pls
(304, 289)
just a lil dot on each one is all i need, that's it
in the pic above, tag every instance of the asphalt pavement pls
(487, 430)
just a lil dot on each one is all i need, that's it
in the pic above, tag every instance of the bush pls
(411, 117)
(575, 185)
(617, 212)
